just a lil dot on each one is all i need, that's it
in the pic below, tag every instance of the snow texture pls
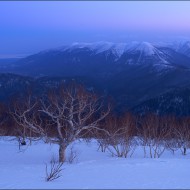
(93, 170)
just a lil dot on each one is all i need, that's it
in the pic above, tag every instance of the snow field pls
(92, 169)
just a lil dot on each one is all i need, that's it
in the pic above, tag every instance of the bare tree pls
(74, 111)
(71, 112)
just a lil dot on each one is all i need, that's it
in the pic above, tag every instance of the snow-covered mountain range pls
(83, 55)
(119, 49)
(132, 72)
(161, 55)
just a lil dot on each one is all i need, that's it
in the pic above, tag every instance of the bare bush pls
(153, 133)
(55, 170)
(182, 134)
(4, 120)
(2, 131)
(102, 144)
(102, 137)
(171, 140)
(121, 141)
(172, 145)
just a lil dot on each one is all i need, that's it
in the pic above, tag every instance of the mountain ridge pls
(132, 73)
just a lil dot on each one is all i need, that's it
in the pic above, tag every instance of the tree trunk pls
(144, 148)
(184, 150)
(19, 143)
(62, 153)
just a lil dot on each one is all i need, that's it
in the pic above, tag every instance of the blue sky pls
(28, 27)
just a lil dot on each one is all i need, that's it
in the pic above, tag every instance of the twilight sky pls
(29, 27)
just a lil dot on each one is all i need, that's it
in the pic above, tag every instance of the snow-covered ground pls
(92, 170)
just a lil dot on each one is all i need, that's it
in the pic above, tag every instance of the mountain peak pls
(144, 47)
(182, 47)
(117, 48)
